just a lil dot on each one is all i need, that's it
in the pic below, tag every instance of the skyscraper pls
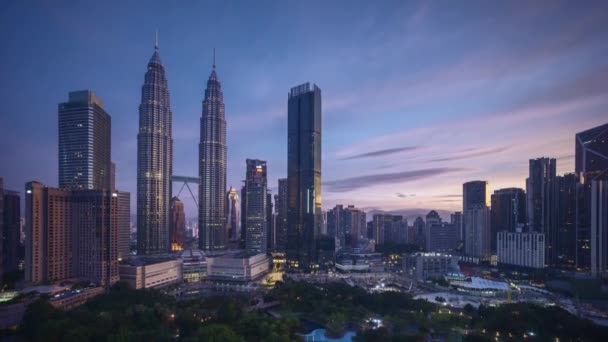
(1, 225)
(281, 210)
(507, 213)
(256, 239)
(477, 230)
(178, 225)
(565, 228)
(583, 227)
(347, 225)
(124, 224)
(542, 172)
(233, 214)
(243, 215)
(11, 230)
(420, 232)
(599, 227)
(456, 219)
(84, 143)
(154, 161)
(542, 204)
(591, 163)
(475, 194)
(303, 174)
(334, 218)
(212, 168)
(591, 153)
(270, 232)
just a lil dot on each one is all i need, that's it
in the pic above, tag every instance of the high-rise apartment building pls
(347, 225)
(154, 161)
(388, 229)
(48, 232)
(256, 230)
(303, 174)
(84, 142)
(70, 233)
(94, 225)
(212, 168)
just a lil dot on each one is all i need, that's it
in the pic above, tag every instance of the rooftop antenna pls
(156, 41)
(213, 58)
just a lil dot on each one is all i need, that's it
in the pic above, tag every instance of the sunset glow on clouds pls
(417, 97)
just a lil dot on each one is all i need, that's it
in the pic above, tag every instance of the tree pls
(217, 333)
(36, 315)
(335, 323)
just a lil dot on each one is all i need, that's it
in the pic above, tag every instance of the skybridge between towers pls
(186, 181)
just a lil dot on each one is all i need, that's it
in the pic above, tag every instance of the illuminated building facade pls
(212, 168)
(233, 214)
(178, 225)
(154, 162)
(84, 143)
(303, 174)
(256, 230)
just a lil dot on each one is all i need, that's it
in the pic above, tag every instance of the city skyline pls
(392, 163)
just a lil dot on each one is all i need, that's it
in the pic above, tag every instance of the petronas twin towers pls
(155, 164)
(212, 169)
(154, 161)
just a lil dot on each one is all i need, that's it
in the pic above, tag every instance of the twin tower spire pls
(155, 164)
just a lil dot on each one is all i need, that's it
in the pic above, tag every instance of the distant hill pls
(409, 214)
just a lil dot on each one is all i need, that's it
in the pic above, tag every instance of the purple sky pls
(418, 97)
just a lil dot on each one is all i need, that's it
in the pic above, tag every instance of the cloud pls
(448, 195)
(472, 155)
(353, 183)
(384, 152)
(402, 195)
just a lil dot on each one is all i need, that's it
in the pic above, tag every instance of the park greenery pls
(125, 314)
